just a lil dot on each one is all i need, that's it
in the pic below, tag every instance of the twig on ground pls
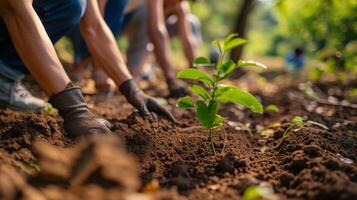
(325, 102)
(225, 140)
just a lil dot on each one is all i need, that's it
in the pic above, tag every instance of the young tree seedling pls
(297, 121)
(213, 92)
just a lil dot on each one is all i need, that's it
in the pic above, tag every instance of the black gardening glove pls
(142, 102)
(77, 119)
(177, 88)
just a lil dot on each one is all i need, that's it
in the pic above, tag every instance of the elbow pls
(93, 31)
(89, 31)
(156, 33)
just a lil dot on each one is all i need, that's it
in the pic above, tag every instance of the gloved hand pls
(142, 102)
(177, 88)
(77, 119)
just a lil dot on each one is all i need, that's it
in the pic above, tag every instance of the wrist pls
(170, 79)
(129, 88)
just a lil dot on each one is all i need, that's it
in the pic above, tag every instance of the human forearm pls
(190, 48)
(189, 42)
(33, 45)
(159, 36)
(160, 41)
(102, 45)
(105, 52)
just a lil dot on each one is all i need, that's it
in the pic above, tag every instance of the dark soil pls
(311, 162)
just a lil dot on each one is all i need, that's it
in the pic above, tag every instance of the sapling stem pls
(287, 131)
(210, 130)
(213, 97)
(211, 141)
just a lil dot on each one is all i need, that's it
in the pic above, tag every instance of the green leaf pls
(194, 74)
(202, 61)
(272, 107)
(236, 95)
(297, 121)
(215, 78)
(226, 69)
(234, 43)
(249, 63)
(218, 121)
(219, 44)
(206, 114)
(223, 88)
(230, 37)
(184, 102)
(200, 91)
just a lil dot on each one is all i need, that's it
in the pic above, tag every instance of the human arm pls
(189, 42)
(159, 35)
(102, 44)
(160, 39)
(103, 48)
(33, 45)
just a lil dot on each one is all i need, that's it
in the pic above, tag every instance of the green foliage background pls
(276, 26)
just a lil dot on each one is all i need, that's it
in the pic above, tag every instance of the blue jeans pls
(58, 17)
(113, 16)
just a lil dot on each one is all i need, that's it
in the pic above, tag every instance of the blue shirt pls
(296, 62)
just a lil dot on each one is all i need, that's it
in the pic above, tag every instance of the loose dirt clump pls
(19, 130)
(95, 168)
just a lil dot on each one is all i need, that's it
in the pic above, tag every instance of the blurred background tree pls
(275, 26)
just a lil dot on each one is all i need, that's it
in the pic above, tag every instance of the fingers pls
(143, 111)
(101, 126)
(107, 123)
(160, 110)
(100, 131)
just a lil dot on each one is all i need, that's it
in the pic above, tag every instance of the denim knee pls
(75, 10)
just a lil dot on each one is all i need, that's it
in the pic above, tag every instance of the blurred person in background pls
(149, 26)
(28, 30)
(295, 61)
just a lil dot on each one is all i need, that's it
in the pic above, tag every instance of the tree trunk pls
(241, 26)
